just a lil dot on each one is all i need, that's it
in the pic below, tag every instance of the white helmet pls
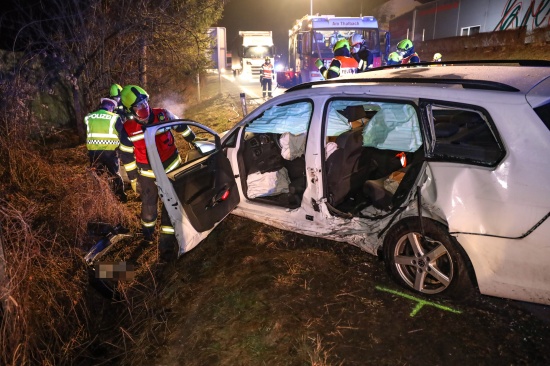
(356, 39)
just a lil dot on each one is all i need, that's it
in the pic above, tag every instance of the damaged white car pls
(443, 171)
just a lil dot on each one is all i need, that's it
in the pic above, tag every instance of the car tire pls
(431, 265)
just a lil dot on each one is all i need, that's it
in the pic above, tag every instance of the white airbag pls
(267, 184)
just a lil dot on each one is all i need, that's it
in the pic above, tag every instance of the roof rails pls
(465, 83)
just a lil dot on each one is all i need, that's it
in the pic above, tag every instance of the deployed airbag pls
(292, 146)
(394, 127)
(267, 184)
(293, 118)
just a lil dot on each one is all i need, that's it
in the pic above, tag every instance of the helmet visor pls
(141, 109)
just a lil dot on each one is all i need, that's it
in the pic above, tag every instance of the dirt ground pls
(253, 295)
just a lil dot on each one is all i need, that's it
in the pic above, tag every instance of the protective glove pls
(319, 63)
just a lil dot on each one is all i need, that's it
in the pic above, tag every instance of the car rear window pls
(543, 112)
(464, 135)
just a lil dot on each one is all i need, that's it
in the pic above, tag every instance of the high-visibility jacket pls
(102, 130)
(267, 71)
(338, 66)
(411, 59)
(132, 142)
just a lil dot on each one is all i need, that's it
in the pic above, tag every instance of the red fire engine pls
(313, 37)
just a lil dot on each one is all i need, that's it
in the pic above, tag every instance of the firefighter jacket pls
(102, 130)
(339, 65)
(133, 149)
(266, 71)
(364, 58)
(411, 59)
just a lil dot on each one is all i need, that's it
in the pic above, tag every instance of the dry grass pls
(45, 317)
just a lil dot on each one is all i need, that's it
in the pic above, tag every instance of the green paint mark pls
(420, 302)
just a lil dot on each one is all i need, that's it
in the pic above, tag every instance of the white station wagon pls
(443, 171)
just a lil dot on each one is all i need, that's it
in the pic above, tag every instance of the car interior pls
(272, 155)
(374, 151)
(379, 147)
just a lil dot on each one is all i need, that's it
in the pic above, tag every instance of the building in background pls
(450, 18)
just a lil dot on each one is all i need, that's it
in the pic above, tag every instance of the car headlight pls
(279, 67)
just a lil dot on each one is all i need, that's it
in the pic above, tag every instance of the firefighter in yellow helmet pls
(437, 57)
(134, 156)
(114, 94)
(341, 61)
(394, 59)
(405, 49)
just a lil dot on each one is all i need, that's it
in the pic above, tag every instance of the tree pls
(88, 45)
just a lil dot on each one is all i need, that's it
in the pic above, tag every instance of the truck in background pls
(255, 47)
(313, 37)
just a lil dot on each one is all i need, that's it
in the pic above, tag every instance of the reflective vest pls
(267, 71)
(341, 65)
(101, 133)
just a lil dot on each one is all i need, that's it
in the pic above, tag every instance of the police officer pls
(134, 156)
(103, 129)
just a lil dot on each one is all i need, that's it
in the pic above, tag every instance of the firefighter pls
(114, 94)
(266, 77)
(405, 49)
(341, 60)
(437, 57)
(103, 128)
(134, 156)
(360, 52)
(394, 59)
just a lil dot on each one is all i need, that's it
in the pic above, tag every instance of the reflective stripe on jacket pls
(341, 65)
(101, 132)
(134, 139)
(411, 59)
(267, 71)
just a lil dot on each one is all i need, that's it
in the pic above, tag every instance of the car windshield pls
(258, 52)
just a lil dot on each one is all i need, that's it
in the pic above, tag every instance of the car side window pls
(544, 114)
(463, 135)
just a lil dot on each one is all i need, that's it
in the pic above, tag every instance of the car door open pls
(200, 192)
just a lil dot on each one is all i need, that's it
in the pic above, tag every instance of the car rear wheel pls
(431, 264)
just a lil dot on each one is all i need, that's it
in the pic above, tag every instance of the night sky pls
(279, 16)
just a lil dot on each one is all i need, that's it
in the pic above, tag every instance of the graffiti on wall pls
(530, 14)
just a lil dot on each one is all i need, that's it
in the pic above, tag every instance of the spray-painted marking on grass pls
(420, 302)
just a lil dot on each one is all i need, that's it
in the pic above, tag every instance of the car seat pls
(346, 172)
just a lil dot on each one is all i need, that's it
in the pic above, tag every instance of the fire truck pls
(313, 37)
